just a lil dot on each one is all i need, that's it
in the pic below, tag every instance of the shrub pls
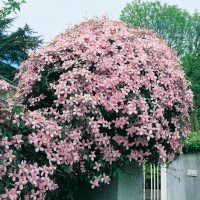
(99, 96)
(192, 143)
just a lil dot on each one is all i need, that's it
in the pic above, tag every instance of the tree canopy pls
(14, 46)
(179, 28)
(9, 7)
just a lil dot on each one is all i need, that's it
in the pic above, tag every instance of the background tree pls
(14, 47)
(179, 28)
(9, 7)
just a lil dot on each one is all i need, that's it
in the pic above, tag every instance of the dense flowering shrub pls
(97, 97)
(4, 88)
(19, 176)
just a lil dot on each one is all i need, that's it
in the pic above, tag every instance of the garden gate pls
(154, 182)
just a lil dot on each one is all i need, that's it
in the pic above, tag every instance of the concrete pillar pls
(183, 178)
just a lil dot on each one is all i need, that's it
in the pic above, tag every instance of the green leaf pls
(10, 134)
(7, 183)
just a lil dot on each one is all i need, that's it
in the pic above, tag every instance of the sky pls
(51, 17)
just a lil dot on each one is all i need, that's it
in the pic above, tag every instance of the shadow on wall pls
(124, 188)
